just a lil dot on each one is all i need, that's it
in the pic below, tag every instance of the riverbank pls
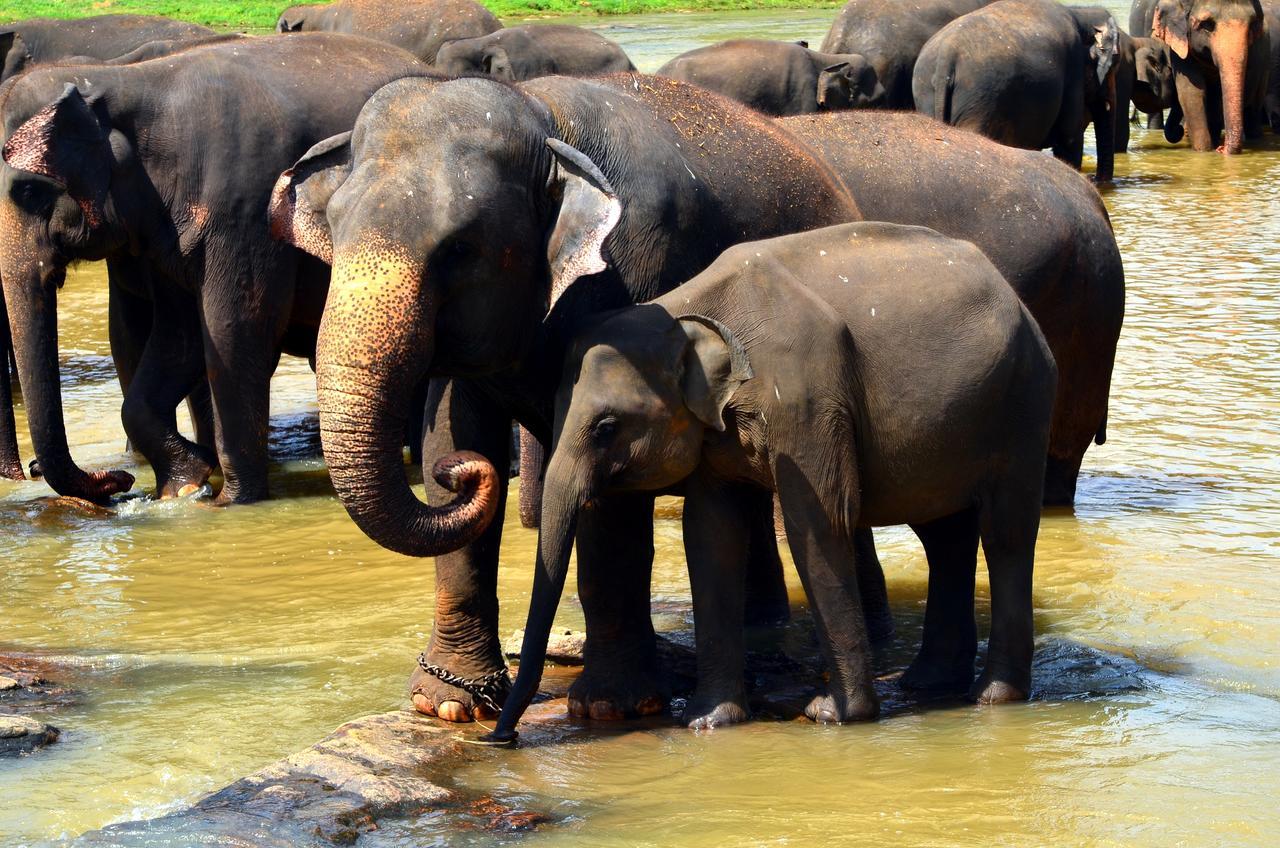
(262, 14)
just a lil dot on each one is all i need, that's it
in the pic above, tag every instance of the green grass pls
(261, 14)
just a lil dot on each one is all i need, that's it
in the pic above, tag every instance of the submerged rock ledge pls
(381, 766)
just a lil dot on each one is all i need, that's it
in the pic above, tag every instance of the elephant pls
(1144, 77)
(594, 193)
(1221, 51)
(1271, 12)
(1042, 225)
(42, 40)
(419, 26)
(841, 369)
(690, 172)
(779, 77)
(890, 36)
(1027, 73)
(535, 50)
(164, 169)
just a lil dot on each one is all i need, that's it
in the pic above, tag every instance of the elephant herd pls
(866, 314)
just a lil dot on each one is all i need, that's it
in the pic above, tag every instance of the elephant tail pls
(1100, 438)
(944, 85)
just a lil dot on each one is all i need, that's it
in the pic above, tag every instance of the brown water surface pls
(208, 643)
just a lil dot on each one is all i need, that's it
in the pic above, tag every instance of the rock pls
(563, 648)
(23, 734)
(384, 766)
(7, 683)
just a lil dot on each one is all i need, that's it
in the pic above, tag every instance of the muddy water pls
(206, 643)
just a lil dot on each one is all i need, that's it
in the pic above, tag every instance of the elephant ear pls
(715, 364)
(1171, 24)
(14, 55)
(589, 212)
(68, 142)
(1105, 48)
(300, 199)
(498, 64)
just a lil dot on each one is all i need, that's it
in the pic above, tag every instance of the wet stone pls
(23, 734)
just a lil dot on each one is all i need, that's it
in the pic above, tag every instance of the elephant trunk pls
(1104, 130)
(32, 302)
(10, 459)
(375, 345)
(562, 500)
(1231, 51)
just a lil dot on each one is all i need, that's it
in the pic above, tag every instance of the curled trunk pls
(375, 345)
(560, 506)
(32, 302)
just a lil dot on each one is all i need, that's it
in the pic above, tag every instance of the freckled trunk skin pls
(364, 385)
(10, 460)
(531, 459)
(561, 502)
(1231, 53)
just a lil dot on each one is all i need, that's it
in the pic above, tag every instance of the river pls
(207, 643)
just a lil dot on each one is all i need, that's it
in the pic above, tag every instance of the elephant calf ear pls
(299, 202)
(1106, 47)
(67, 142)
(715, 364)
(1171, 24)
(589, 212)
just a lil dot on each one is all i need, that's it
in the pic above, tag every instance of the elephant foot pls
(617, 695)
(432, 696)
(988, 690)
(859, 706)
(185, 477)
(710, 712)
(1060, 476)
(938, 677)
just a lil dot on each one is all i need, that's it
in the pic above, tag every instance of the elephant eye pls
(1204, 24)
(606, 428)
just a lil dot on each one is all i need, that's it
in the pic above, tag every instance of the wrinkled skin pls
(782, 367)
(198, 288)
(780, 77)
(1271, 10)
(890, 36)
(587, 194)
(1041, 224)
(1027, 73)
(1221, 51)
(24, 44)
(419, 26)
(535, 50)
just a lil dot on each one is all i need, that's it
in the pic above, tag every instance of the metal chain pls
(482, 688)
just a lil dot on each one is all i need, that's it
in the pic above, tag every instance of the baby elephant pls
(1027, 73)
(780, 77)
(534, 50)
(869, 374)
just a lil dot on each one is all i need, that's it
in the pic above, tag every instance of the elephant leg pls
(464, 634)
(1009, 521)
(872, 588)
(950, 641)
(200, 409)
(242, 349)
(128, 319)
(716, 530)
(415, 428)
(766, 587)
(620, 676)
(533, 458)
(170, 366)
(1155, 121)
(1192, 99)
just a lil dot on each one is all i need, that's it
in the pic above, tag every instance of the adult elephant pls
(1220, 56)
(41, 40)
(672, 156)
(419, 26)
(1271, 12)
(1043, 226)
(890, 36)
(582, 194)
(534, 50)
(1027, 73)
(779, 77)
(111, 163)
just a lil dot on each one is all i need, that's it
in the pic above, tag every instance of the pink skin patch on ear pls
(28, 148)
(587, 259)
(293, 226)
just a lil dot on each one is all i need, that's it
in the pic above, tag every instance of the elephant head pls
(62, 162)
(482, 55)
(1214, 33)
(14, 56)
(849, 84)
(1153, 85)
(638, 394)
(453, 217)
